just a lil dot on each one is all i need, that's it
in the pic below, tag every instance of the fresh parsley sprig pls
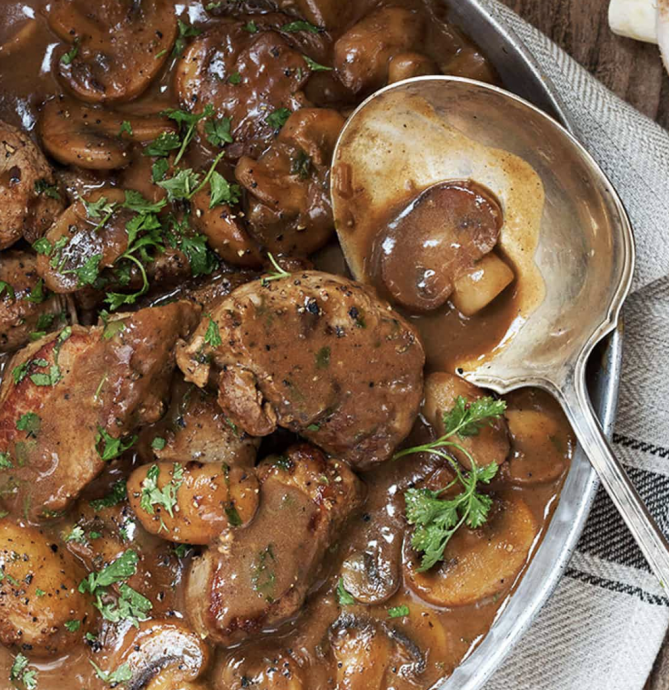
(437, 519)
(277, 274)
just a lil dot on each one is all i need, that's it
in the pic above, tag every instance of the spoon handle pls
(642, 525)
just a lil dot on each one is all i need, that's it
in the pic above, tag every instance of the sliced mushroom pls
(29, 195)
(207, 499)
(225, 50)
(162, 654)
(115, 49)
(442, 390)
(442, 233)
(271, 669)
(362, 55)
(225, 231)
(369, 654)
(289, 209)
(476, 288)
(25, 307)
(542, 443)
(95, 138)
(410, 64)
(30, 563)
(479, 563)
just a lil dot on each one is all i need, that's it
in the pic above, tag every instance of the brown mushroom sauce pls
(261, 541)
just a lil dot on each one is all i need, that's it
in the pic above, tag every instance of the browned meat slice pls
(197, 502)
(25, 306)
(372, 655)
(318, 354)
(95, 138)
(362, 55)
(289, 186)
(259, 577)
(229, 50)
(436, 239)
(69, 399)
(115, 48)
(78, 240)
(31, 562)
(195, 428)
(29, 196)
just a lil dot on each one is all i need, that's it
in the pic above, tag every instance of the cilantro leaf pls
(201, 259)
(120, 675)
(159, 170)
(135, 201)
(182, 185)
(88, 272)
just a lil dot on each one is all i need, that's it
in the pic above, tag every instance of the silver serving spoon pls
(430, 129)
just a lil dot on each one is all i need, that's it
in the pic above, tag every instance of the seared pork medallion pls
(224, 463)
(317, 354)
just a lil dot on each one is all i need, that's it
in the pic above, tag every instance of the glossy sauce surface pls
(310, 651)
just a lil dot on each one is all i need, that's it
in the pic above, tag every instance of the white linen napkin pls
(605, 624)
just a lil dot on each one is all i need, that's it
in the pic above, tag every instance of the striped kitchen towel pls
(606, 622)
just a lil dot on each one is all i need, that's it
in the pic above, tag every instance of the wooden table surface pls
(632, 70)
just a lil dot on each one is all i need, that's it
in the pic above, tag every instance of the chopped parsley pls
(278, 118)
(294, 27)
(222, 192)
(37, 293)
(235, 78)
(263, 577)
(72, 625)
(7, 289)
(109, 447)
(218, 132)
(301, 165)
(117, 495)
(43, 246)
(163, 145)
(72, 53)
(315, 66)
(126, 128)
(20, 673)
(277, 274)
(77, 535)
(50, 190)
(251, 27)
(436, 519)
(185, 31)
(30, 423)
(153, 495)
(398, 611)
(213, 335)
(344, 597)
(158, 443)
(120, 675)
(5, 462)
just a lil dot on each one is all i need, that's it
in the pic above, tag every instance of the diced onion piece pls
(479, 286)
(633, 19)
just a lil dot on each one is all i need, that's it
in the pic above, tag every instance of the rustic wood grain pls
(632, 70)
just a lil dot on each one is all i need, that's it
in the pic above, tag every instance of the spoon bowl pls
(565, 231)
